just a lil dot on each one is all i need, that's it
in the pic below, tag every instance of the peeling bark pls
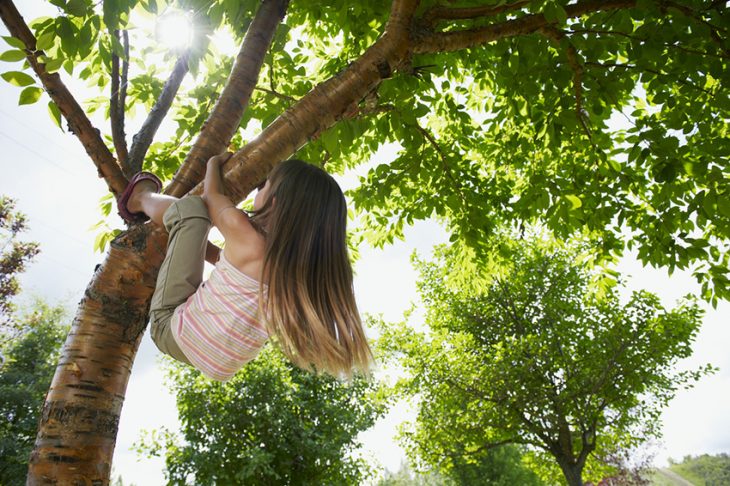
(80, 418)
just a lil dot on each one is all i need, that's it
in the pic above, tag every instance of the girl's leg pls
(145, 199)
(187, 222)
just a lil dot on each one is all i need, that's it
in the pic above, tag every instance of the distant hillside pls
(704, 470)
(667, 477)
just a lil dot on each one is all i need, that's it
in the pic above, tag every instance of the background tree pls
(14, 255)
(500, 109)
(30, 360)
(533, 357)
(271, 424)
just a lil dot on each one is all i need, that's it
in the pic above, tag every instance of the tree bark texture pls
(573, 473)
(80, 417)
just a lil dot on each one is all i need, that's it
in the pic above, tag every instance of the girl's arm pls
(232, 223)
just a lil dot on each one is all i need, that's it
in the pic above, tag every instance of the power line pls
(16, 121)
(43, 157)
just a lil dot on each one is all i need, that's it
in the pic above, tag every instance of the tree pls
(501, 111)
(271, 424)
(30, 360)
(12, 260)
(533, 357)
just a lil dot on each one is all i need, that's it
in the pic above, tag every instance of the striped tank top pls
(217, 328)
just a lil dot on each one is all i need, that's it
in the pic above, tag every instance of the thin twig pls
(116, 112)
(641, 39)
(427, 135)
(609, 65)
(571, 53)
(277, 94)
(143, 139)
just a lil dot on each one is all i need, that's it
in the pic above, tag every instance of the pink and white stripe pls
(218, 327)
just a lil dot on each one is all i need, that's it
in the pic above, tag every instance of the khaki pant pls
(187, 221)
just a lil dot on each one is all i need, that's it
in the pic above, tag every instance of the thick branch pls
(78, 123)
(223, 121)
(142, 140)
(439, 12)
(325, 105)
(116, 113)
(464, 39)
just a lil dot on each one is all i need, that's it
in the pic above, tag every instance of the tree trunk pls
(573, 472)
(78, 426)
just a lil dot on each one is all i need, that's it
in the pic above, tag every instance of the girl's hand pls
(220, 159)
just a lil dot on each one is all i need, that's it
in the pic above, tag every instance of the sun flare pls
(175, 30)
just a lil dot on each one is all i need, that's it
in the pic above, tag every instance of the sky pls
(55, 184)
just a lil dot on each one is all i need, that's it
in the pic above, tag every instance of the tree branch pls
(225, 117)
(714, 29)
(78, 123)
(143, 139)
(277, 94)
(571, 53)
(116, 113)
(434, 14)
(427, 135)
(452, 41)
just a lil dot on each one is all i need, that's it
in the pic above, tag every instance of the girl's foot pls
(134, 203)
(129, 203)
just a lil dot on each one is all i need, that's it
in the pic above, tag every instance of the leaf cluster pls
(14, 255)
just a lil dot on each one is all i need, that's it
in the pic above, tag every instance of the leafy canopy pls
(612, 124)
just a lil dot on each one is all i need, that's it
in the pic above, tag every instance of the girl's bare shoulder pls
(247, 253)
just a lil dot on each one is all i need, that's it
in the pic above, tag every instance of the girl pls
(284, 272)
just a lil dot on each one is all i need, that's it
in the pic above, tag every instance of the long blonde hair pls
(309, 302)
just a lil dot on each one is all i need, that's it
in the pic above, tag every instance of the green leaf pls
(575, 201)
(55, 113)
(12, 41)
(18, 78)
(30, 95)
(52, 65)
(554, 12)
(12, 56)
(45, 41)
(69, 36)
(76, 8)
